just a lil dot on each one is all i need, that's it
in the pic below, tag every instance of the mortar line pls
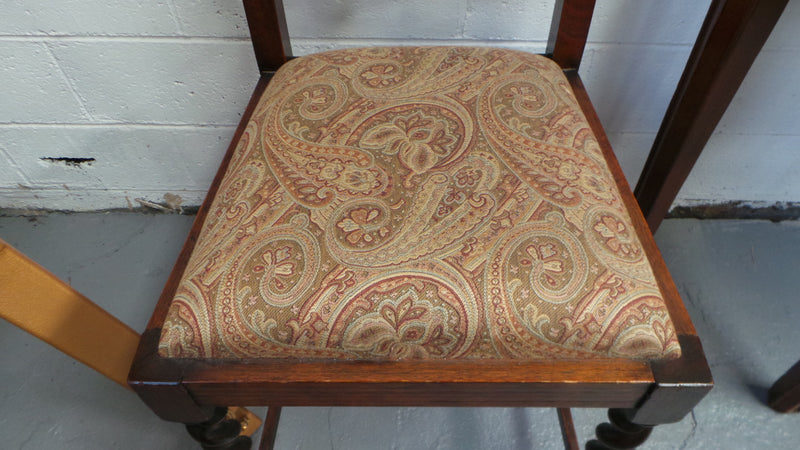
(121, 38)
(716, 133)
(149, 125)
(363, 41)
(133, 125)
(246, 39)
(481, 42)
(59, 187)
(69, 82)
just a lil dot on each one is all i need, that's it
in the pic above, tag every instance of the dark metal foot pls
(220, 433)
(620, 434)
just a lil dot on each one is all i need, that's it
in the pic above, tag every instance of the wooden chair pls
(421, 227)
(41, 304)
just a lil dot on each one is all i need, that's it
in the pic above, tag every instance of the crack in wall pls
(81, 102)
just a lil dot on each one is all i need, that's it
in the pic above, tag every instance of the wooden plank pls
(285, 370)
(40, 303)
(585, 394)
(729, 41)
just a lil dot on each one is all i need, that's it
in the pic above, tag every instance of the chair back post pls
(569, 31)
(728, 43)
(269, 33)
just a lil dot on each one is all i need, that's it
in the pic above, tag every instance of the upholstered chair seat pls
(418, 203)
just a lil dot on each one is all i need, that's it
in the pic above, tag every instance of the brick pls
(219, 18)
(88, 17)
(648, 21)
(509, 20)
(200, 82)
(745, 167)
(632, 85)
(395, 19)
(33, 88)
(766, 102)
(302, 46)
(786, 34)
(10, 175)
(631, 150)
(126, 157)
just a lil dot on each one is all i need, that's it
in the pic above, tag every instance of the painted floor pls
(739, 279)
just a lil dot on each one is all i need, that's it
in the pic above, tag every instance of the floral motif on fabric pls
(418, 203)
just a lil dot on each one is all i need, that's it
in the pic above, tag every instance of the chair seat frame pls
(649, 392)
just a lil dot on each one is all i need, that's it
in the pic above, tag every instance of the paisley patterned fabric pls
(430, 202)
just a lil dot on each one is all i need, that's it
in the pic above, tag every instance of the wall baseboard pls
(776, 212)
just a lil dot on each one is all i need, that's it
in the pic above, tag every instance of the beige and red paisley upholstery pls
(429, 202)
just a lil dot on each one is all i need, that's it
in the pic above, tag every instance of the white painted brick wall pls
(153, 89)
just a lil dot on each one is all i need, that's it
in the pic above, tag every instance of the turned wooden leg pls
(784, 395)
(620, 432)
(172, 401)
(679, 385)
(270, 428)
(219, 433)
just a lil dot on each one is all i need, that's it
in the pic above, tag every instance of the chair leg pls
(270, 428)
(679, 386)
(568, 429)
(220, 433)
(620, 432)
(784, 395)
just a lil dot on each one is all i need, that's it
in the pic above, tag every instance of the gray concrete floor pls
(739, 279)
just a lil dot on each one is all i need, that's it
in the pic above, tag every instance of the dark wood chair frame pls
(731, 37)
(640, 394)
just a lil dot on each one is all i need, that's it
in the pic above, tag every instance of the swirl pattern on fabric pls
(418, 202)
